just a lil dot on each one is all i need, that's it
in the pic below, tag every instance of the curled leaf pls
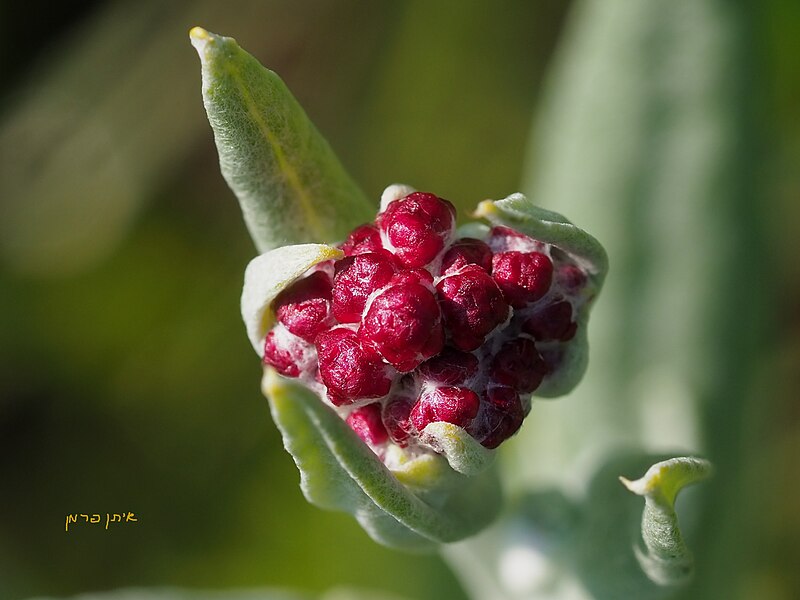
(665, 558)
(290, 184)
(549, 227)
(422, 506)
(547, 542)
(267, 275)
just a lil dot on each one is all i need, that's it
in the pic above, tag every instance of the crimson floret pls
(289, 354)
(304, 308)
(552, 322)
(349, 369)
(472, 306)
(451, 404)
(355, 279)
(570, 277)
(403, 324)
(523, 276)
(501, 417)
(417, 227)
(450, 367)
(422, 276)
(397, 419)
(467, 251)
(519, 365)
(504, 239)
(366, 422)
(364, 238)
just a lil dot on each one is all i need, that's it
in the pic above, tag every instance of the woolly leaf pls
(521, 214)
(424, 505)
(290, 184)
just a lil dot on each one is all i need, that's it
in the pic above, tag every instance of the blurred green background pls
(126, 380)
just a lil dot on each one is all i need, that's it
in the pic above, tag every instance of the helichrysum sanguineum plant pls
(400, 350)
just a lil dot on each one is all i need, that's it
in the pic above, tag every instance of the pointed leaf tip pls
(205, 42)
(290, 185)
(198, 35)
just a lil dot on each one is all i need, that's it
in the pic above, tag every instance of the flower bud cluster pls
(415, 325)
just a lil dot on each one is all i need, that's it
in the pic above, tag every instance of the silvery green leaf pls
(665, 558)
(422, 504)
(587, 546)
(606, 552)
(519, 213)
(267, 275)
(290, 185)
(645, 136)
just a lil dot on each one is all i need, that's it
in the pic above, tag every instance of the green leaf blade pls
(290, 185)
(519, 213)
(339, 472)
